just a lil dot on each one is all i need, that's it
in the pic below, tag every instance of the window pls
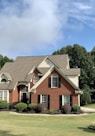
(54, 81)
(45, 99)
(4, 78)
(4, 95)
(35, 79)
(65, 99)
(1, 94)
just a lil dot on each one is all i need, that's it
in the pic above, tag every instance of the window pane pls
(5, 95)
(67, 99)
(1, 95)
(35, 80)
(54, 81)
(45, 100)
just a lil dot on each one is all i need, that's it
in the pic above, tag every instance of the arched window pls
(4, 78)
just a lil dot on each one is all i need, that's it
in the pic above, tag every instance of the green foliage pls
(32, 106)
(80, 58)
(20, 107)
(76, 108)
(3, 60)
(4, 104)
(86, 97)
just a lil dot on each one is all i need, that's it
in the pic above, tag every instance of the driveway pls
(88, 110)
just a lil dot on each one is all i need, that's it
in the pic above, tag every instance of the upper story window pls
(4, 78)
(54, 81)
(35, 79)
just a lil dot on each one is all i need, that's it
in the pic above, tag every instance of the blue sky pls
(40, 27)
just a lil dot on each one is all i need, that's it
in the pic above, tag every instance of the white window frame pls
(63, 99)
(3, 96)
(42, 99)
(52, 81)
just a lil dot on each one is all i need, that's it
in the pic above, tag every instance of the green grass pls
(22, 125)
(90, 105)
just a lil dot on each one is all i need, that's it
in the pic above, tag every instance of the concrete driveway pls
(88, 110)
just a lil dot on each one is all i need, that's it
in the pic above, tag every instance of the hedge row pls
(33, 108)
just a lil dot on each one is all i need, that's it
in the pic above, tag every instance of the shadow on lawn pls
(86, 129)
(8, 133)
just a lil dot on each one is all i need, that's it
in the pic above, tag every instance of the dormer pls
(5, 77)
(46, 63)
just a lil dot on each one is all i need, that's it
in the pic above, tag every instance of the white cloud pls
(30, 25)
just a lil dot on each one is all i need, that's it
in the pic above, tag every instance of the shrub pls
(4, 104)
(76, 108)
(39, 108)
(54, 112)
(20, 107)
(66, 109)
(32, 107)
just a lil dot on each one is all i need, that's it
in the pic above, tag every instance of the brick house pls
(40, 79)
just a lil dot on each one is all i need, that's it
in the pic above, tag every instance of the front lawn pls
(30, 125)
(90, 105)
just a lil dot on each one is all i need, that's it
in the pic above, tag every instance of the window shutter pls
(49, 82)
(48, 101)
(60, 101)
(38, 98)
(71, 100)
(59, 82)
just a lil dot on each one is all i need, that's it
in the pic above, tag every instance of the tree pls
(80, 58)
(3, 60)
(85, 97)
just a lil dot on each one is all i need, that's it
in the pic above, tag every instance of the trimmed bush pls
(4, 104)
(32, 107)
(66, 109)
(20, 107)
(76, 108)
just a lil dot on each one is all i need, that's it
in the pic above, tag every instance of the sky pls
(40, 27)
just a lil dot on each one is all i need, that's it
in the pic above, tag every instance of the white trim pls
(32, 70)
(42, 79)
(62, 99)
(28, 87)
(41, 98)
(52, 80)
(61, 73)
(79, 100)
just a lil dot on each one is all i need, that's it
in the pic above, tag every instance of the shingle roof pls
(62, 74)
(20, 68)
(71, 71)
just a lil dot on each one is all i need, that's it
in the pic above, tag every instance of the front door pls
(24, 98)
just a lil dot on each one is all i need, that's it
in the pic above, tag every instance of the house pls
(40, 79)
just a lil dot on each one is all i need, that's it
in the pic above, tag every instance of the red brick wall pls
(54, 93)
(14, 96)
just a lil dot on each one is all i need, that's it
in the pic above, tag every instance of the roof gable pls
(46, 63)
(61, 73)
